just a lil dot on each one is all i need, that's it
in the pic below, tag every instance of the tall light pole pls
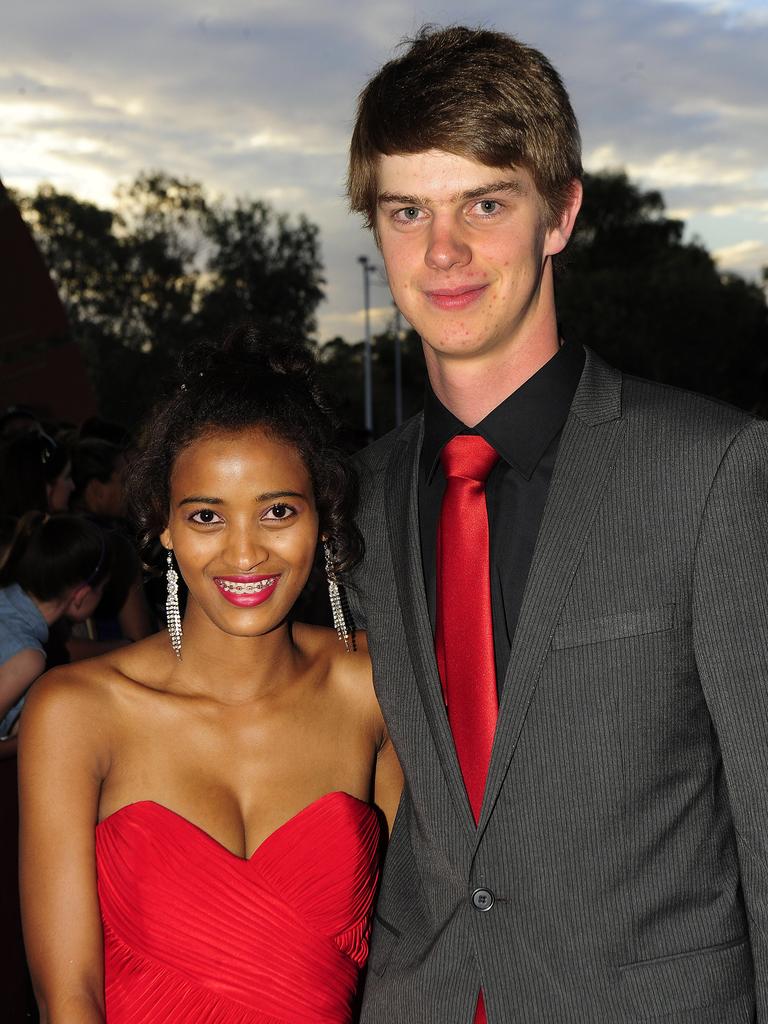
(367, 360)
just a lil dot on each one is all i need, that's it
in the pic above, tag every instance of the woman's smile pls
(247, 591)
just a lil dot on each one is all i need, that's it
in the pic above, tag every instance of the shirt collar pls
(520, 428)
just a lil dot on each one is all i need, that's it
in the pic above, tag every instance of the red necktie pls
(464, 627)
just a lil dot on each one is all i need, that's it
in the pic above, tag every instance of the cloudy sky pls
(256, 97)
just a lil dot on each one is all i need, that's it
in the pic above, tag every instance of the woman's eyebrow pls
(201, 499)
(271, 495)
(196, 499)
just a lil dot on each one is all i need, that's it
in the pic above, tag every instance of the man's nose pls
(447, 247)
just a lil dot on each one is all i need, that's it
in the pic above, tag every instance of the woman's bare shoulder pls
(323, 642)
(353, 663)
(91, 685)
(65, 718)
(348, 670)
(148, 662)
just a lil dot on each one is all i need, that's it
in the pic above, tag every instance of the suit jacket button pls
(483, 899)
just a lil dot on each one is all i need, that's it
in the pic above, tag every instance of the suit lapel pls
(403, 528)
(588, 449)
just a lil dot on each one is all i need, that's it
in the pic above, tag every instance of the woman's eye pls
(276, 513)
(205, 516)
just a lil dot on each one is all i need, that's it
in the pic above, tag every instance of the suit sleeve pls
(730, 632)
(353, 581)
(354, 603)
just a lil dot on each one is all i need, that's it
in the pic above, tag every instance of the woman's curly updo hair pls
(247, 381)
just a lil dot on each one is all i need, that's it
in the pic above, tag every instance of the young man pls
(565, 596)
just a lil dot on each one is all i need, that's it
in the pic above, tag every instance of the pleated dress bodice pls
(194, 933)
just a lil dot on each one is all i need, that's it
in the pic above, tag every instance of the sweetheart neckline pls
(207, 835)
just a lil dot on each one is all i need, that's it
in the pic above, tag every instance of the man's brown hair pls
(477, 94)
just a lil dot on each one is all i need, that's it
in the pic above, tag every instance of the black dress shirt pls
(525, 430)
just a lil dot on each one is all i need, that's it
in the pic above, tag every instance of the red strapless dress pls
(196, 935)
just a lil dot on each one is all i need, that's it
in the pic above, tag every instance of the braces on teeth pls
(246, 588)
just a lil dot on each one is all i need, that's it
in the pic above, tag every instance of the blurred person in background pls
(97, 474)
(35, 475)
(98, 468)
(104, 430)
(17, 419)
(55, 567)
(49, 568)
(7, 530)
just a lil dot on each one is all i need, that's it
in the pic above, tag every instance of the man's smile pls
(455, 298)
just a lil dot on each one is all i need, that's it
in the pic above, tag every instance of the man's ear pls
(557, 236)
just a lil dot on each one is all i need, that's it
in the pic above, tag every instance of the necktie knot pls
(469, 456)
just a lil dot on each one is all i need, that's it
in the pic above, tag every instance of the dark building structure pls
(41, 365)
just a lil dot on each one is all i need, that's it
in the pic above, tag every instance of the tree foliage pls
(658, 306)
(265, 265)
(341, 367)
(166, 266)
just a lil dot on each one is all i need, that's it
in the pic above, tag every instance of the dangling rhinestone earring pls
(337, 609)
(172, 616)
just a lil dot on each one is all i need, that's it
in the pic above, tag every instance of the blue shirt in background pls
(22, 627)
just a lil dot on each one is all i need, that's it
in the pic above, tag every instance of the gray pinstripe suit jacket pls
(624, 830)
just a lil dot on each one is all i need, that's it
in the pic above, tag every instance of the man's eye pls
(488, 206)
(408, 213)
(205, 516)
(279, 512)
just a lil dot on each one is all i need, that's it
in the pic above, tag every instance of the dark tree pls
(80, 247)
(262, 268)
(657, 306)
(164, 267)
(342, 373)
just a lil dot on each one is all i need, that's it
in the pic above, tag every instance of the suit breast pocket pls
(579, 633)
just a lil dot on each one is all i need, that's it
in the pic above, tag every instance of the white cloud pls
(747, 258)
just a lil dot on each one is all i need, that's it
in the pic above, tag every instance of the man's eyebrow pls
(509, 185)
(402, 200)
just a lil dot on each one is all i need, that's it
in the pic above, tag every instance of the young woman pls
(55, 567)
(200, 833)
